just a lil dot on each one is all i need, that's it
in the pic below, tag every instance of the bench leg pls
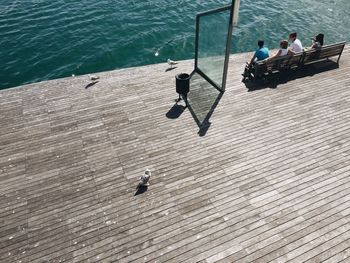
(247, 73)
(338, 59)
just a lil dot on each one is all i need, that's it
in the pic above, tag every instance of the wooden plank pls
(268, 181)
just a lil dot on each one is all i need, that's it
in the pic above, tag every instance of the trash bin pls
(183, 85)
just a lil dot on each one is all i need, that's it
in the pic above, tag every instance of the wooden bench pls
(276, 65)
(315, 55)
(261, 69)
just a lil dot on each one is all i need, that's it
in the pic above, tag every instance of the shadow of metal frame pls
(205, 124)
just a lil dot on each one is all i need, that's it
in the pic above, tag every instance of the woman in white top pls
(283, 51)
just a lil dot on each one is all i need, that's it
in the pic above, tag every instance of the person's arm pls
(291, 47)
(253, 59)
(276, 55)
(291, 52)
(314, 45)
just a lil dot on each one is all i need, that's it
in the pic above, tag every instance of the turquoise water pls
(45, 39)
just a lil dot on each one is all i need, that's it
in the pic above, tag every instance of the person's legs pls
(247, 71)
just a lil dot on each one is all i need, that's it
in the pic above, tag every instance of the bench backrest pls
(278, 64)
(285, 62)
(324, 52)
(293, 61)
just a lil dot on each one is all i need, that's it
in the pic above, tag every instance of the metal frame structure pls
(228, 44)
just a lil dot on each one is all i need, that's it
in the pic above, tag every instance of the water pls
(45, 39)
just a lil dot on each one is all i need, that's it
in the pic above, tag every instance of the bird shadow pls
(169, 69)
(140, 189)
(91, 84)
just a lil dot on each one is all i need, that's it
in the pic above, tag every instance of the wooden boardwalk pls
(265, 178)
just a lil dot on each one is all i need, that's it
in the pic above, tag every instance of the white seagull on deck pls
(93, 77)
(172, 62)
(144, 179)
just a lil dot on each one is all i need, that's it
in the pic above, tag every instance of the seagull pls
(171, 62)
(145, 178)
(93, 77)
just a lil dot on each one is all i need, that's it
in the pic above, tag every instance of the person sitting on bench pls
(283, 51)
(296, 45)
(260, 54)
(317, 41)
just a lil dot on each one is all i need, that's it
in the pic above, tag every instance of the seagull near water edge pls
(93, 77)
(172, 62)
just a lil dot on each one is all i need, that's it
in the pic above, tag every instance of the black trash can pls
(183, 85)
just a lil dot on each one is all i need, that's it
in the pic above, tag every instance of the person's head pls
(284, 44)
(261, 43)
(293, 36)
(319, 38)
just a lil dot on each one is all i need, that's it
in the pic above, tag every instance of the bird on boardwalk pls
(145, 178)
(93, 77)
(172, 62)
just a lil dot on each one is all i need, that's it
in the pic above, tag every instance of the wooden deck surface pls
(257, 174)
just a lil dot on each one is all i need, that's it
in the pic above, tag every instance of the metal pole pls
(196, 43)
(228, 46)
(236, 11)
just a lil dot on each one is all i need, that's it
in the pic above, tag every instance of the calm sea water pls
(45, 39)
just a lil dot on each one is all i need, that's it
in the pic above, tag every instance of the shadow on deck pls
(202, 101)
(272, 81)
